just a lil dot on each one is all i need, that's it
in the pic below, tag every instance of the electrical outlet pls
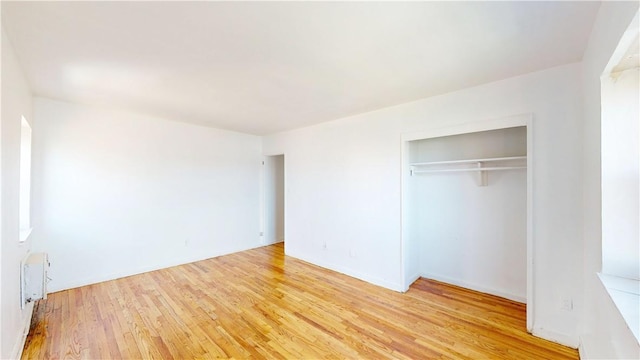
(352, 253)
(567, 304)
(324, 245)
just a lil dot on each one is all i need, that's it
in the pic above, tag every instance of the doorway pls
(473, 169)
(273, 227)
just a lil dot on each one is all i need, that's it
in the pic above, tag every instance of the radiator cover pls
(35, 278)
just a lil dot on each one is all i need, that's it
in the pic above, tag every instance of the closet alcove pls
(466, 213)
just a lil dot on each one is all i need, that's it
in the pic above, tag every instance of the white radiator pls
(34, 279)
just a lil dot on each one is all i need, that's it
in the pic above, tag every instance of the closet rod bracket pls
(482, 175)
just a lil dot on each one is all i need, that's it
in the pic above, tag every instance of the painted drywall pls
(620, 170)
(273, 199)
(16, 102)
(483, 229)
(118, 193)
(603, 335)
(344, 186)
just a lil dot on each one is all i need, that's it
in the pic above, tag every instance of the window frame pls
(26, 136)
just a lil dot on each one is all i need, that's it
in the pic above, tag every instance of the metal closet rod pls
(495, 168)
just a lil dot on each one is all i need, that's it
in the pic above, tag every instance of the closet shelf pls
(470, 169)
(469, 161)
(512, 163)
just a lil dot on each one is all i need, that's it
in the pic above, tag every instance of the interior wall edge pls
(16, 353)
(557, 337)
(16, 103)
(140, 271)
(350, 272)
(477, 287)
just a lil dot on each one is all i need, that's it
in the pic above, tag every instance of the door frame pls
(263, 195)
(525, 120)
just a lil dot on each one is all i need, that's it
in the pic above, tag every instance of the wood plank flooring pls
(262, 304)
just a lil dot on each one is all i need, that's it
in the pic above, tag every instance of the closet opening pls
(467, 208)
(273, 200)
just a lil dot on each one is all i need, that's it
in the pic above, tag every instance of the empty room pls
(306, 180)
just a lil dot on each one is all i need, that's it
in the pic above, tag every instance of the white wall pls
(274, 199)
(466, 234)
(604, 335)
(344, 185)
(16, 102)
(118, 193)
(620, 170)
(94, 168)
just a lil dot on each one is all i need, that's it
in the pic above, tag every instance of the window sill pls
(24, 234)
(625, 293)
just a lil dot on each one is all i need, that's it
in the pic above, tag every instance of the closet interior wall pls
(468, 234)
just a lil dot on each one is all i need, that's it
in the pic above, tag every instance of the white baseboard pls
(476, 287)
(353, 273)
(18, 345)
(411, 280)
(582, 351)
(562, 339)
(76, 283)
(556, 337)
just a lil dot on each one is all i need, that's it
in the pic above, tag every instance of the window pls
(620, 178)
(621, 164)
(25, 179)
(620, 175)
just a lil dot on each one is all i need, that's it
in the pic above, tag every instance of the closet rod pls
(468, 161)
(469, 169)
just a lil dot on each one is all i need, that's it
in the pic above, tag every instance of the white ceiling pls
(262, 67)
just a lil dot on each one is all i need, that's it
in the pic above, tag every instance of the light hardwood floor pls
(262, 304)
